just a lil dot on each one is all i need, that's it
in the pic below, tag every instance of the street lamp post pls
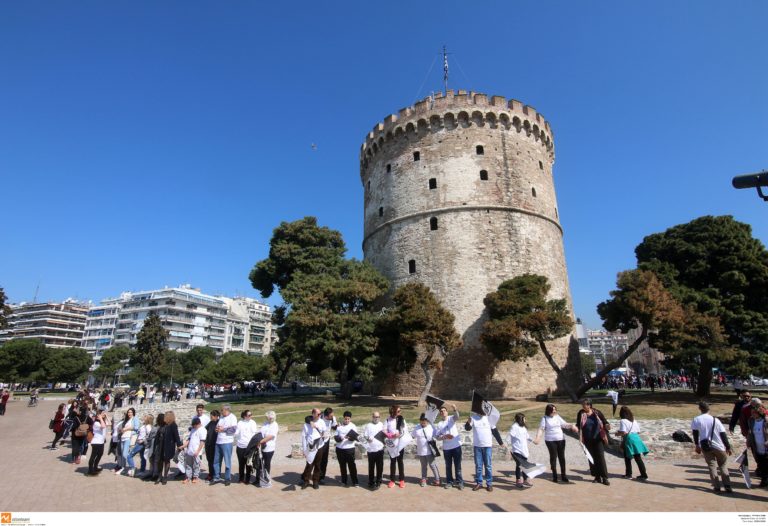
(757, 180)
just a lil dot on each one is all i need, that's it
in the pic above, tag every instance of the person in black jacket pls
(171, 442)
(210, 442)
(744, 399)
(593, 433)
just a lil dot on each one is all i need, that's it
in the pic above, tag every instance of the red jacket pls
(58, 422)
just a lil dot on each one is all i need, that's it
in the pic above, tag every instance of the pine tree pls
(151, 344)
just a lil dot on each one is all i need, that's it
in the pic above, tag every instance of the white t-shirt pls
(195, 437)
(204, 419)
(126, 433)
(98, 433)
(423, 435)
(553, 428)
(703, 424)
(245, 431)
(448, 427)
(266, 430)
(342, 431)
(757, 430)
(328, 428)
(625, 426)
(371, 430)
(226, 422)
(481, 431)
(519, 438)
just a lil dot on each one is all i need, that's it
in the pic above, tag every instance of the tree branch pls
(613, 365)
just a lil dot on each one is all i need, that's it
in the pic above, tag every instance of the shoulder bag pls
(706, 444)
(432, 444)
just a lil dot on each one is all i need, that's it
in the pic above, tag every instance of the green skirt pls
(634, 446)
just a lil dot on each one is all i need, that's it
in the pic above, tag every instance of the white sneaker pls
(131, 472)
(119, 471)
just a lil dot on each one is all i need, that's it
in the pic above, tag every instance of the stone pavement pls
(33, 478)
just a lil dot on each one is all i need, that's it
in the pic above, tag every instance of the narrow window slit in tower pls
(389, 168)
(533, 192)
(483, 175)
(432, 183)
(541, 165)
(433, 223)
(416, 156)
(381, 211)
(369, 186)
(479, 150)
(412, 266)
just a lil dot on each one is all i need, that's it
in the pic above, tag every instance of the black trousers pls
(324, 463)
(241, 465)
(311, 473)
(519, 459)
(397, 461)
(77, 446)
(640, 464)
(210, 453)
(267, 459)
(57, 437)
(596, 448)
(97, 450)
(346, 459)
(375, 460)
(556, 452)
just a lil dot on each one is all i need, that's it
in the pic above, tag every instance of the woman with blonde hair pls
(268, 442)
(171, 442)
(141, 441)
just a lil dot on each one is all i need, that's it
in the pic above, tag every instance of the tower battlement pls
(452, 110)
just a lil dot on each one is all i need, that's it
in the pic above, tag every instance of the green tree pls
(299, 247)
(327, 316)
(197, 359)
(640, 301)
(21, 359)
(5, 310)
(151, 344)
(522, 320)
(172, 370)
(234, 367)
(112, 360)
(715, 268)
(588, 365)
(334, 317)
(418, 329)
(68, 365)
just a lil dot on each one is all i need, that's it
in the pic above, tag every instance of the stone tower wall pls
(495, 213)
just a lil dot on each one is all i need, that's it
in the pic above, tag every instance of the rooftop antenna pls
(37, 289)
(445, 70)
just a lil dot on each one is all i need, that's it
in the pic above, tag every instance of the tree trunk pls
(556, 368)
(429, 375)
(284, 372)
(613, 365)
(704, 380)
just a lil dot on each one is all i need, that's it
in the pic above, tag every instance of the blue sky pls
(145, 144)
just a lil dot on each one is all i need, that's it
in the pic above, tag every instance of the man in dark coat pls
(210, 442)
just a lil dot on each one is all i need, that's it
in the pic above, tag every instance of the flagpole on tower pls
(445, 70)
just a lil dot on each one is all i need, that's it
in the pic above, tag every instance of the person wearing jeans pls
(226, 429)
(448, 433)
(482, 440)
(141, 442)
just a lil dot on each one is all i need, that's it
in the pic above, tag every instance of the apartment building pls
(54, 324)
(192, 318)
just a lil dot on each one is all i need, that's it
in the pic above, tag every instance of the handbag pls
(432, 444)
(706, 444)
(51, 423)
(89, 436)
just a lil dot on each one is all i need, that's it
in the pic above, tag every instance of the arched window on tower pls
(433, 223)
(412, 266)
(416, 156)
(483, 175)
(479, 150)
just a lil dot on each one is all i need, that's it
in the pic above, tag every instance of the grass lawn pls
(645, 405)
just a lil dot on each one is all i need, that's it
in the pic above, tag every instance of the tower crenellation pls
(459, 194)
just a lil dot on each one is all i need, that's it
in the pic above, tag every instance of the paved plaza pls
(35, 478)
